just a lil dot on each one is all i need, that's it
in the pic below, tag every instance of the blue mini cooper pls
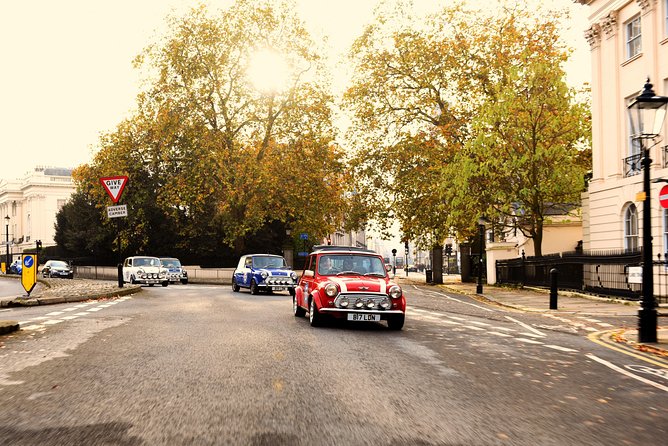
(264, 272)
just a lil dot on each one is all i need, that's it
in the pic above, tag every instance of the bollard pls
(120, 275)
(553, 288)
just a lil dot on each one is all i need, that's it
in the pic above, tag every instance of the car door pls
(307, 279)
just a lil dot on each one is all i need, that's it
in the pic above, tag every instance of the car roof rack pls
(341, 248)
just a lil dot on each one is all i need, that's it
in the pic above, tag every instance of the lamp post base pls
(478, 289)
(647, 325)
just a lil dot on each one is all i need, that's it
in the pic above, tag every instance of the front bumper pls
(149, 281)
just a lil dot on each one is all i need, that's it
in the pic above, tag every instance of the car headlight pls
(344, 302)
(385, 303)
(264, 274)
(331, 289)
(395, 292)
(293, 275)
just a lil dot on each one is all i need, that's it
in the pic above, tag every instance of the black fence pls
(598, 272)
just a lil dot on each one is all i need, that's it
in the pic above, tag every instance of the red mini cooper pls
(348, 283)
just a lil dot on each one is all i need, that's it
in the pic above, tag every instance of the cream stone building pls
(28, 208)
(629, 43)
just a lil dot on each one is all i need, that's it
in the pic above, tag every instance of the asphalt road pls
(202, 365)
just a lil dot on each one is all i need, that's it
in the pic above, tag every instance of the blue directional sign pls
(302, 254)
(29, 272)
(303, 236)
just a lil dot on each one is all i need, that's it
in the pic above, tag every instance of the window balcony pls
(633, 165)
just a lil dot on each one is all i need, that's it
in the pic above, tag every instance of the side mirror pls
(309, 273)
(388, 268)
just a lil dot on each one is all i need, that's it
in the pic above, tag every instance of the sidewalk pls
(535, 300)
(56, 291)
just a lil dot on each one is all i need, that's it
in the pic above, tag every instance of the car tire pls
(314, 318)
(396, 322)
(253, 288)
(165, 283)
(296, 309)
(184, 281)
(235, 287)
(132, 280)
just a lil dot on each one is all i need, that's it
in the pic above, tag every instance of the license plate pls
(279, 288)
(357, 317)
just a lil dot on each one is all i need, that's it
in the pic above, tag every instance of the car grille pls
(364, 297)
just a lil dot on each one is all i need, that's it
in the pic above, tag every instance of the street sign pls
(302, 254)
(117, 211)
(29, 272)
(663, 197)
(635, 274)
(303, 236)
(114, 186)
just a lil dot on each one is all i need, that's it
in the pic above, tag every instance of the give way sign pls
(114, 186)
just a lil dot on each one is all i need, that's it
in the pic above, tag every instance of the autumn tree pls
(463, 115)
(212, 154)
(409, 119)
(526, 158)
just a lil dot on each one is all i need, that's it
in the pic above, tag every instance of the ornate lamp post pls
(481, 227)
(8, 261)
(646, 115)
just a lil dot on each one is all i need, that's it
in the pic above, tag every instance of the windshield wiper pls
(348, 272)
(375, 274)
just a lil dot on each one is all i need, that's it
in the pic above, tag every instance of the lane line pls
(626, 372)
(529, 341)
(560, 348)
(527, 326)
(460, 301)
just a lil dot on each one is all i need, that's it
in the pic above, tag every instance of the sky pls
(67, 73)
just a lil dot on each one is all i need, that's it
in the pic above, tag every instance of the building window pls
(633, 37)
(631, 228)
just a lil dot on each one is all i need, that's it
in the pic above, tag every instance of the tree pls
(210, 156)
(465, 115)
(409, 119)
(526, 158)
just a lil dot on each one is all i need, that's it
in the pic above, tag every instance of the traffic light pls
(406, 244)
(38, 244)
(448, 249)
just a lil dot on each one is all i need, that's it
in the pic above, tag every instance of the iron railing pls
(597, 272)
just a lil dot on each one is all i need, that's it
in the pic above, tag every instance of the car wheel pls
(235, 287)
(165, 283)
(396, 322)
(132, 280)
(296, 309)
(184, 281)
(253, 288)
(50, 275)
(314, 318)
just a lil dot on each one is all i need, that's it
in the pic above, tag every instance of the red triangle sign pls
(114, 186)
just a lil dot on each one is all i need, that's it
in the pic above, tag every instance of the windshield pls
(341, 264)
(268, 262)
(146, 261)
(171, 263)
(59, 264)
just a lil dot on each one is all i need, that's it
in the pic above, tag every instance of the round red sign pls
(663, 197)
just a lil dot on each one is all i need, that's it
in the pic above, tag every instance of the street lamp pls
(646, 115)
(481, 228)
(8, 261)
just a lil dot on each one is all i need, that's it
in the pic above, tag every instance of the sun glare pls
(268, 71)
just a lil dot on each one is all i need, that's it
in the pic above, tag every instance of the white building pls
(629, 42)
(28, 208)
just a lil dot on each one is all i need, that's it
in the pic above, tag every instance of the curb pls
(8, 327)
(30, 302)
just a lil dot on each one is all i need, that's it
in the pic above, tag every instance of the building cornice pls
(593, 36)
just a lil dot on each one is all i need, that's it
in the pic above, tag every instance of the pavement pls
(57, 291)
(528, 300)
(536, 300)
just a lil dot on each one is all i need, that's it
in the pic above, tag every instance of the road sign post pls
(114, 187)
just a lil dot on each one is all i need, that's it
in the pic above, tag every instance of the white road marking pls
(627, 373)
(461, 301)
(69, 318)
(603, 324)
(560, 348)
(473, 328)
(94, 309)
(482, 324)
(496, 333)
(53, 322)
(55, 313)
(527, 326)
(529, 341)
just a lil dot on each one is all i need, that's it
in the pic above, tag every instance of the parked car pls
(16, 267)
(264, 272)
(57, 268)
(144, 270)
(175, 271)
(348, 283)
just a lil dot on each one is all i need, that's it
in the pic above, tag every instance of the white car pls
(144, 270)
